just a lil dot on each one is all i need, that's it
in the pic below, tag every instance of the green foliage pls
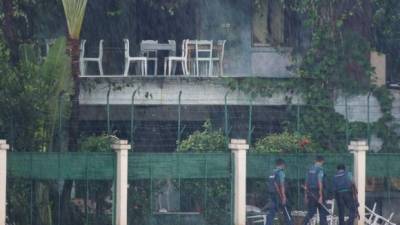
(385, 128)
(31, 93)
(100, 143)
(208, 140)
(386, 27)
(261, 86)
(74, 12)
(285, 143)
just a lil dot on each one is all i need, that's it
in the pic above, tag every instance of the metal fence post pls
(250, 126)
(121, 148)
(108, 111)
(239, 148)
(132, 118)
(347, 120)
(298, 119)
(368, 119)
(226, 119)
(60, 114)
(359, 149)
(179, 118)
(3, 180)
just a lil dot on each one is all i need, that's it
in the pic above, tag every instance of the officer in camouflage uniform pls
(277, 194)
(314, 192)
(344, 194)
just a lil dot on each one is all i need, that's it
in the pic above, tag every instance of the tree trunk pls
(73, 51)
(9, 30)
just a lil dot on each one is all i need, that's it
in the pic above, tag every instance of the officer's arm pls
(305, 188)
(320, 183)
(282, 187)
(321, 187)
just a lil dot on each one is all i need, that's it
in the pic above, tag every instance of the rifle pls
(316, 199)
(355, 198)
(278, 190)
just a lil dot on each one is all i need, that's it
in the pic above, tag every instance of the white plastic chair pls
(151, 55)
(332, 220)
(372, 218)
(219, 57)
(204, 53)
(84, 60)
(258, 216)
(183, 59)
(128, 59)
(370, 214)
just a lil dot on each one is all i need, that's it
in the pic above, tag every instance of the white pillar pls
(3, 180)
(121, 147)
(239, 148)
(359, 149)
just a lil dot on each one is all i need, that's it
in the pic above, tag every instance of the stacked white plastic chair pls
(373, 218)
(151, 55)
(331, 218)
(141, 60)
(171, 61)
(204, 54)
(218, 58)
(258, 216)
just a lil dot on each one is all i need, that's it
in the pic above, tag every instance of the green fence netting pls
(383, 183)
(169, 188)
(260, 166)
(180, 189)
(53, 166)
(36, 183)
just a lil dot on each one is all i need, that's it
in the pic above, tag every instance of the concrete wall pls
(357, 108)
(165, 91)
(211, 91)
(269, 62)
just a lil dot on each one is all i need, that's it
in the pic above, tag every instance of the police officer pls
(314, 192)
(277, 194)
(344, 194)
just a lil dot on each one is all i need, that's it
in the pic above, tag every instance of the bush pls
(100, 143)
(208, 140)
(285, 142)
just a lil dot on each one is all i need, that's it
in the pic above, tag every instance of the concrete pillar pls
(3, 180)
(359, 149)
(121, 147)
(239, 148)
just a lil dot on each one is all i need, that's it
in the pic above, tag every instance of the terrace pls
(224, 39)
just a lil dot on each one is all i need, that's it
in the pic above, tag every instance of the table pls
(148, 47)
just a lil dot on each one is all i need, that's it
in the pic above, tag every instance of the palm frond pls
(74, 12)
